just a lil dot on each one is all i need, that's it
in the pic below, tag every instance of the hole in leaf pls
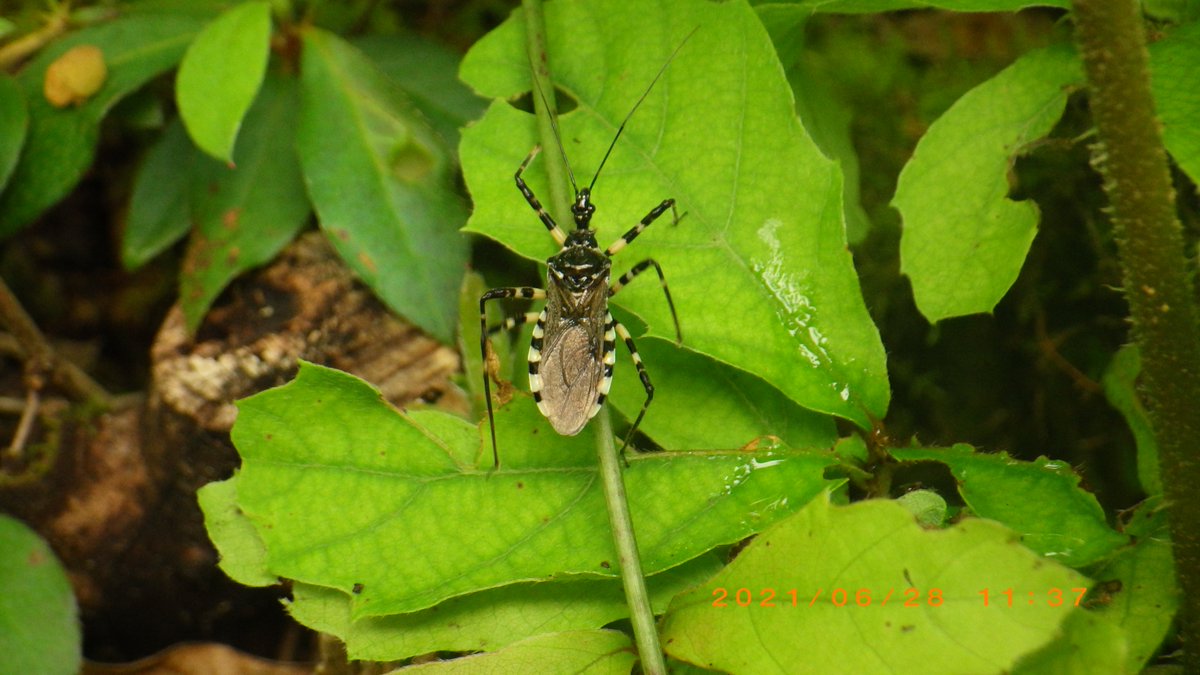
(564, 101)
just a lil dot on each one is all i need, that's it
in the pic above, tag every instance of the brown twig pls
(1048, 346)
(13, 53)
(40, 356)
(33, 400)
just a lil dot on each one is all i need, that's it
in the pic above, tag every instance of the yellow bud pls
(75, 76)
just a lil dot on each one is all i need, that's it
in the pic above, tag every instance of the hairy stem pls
(1131, 158)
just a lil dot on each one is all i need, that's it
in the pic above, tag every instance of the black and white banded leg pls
(509, 324)
(632, 234)
(546, 218)
(638, 269)
(524, 293)
(610, 358)
(513, 322)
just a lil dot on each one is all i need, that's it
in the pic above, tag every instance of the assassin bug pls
(573, 350)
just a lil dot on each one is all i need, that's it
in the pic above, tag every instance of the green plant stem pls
(1133, 162)
(640, 614)
(561, 196)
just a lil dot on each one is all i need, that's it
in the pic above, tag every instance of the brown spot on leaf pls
(199, 254)
(366, 261)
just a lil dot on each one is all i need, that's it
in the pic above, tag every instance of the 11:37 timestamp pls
(1053, 597)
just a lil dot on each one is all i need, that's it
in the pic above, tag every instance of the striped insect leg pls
(523, 292)
(608, 355)
(632, 234)
(513, 322)
(645, 377)
(638, 269)
(535, 361)
(547, 219)
(492, 364)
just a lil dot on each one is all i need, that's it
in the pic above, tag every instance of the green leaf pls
(1041, 500)
(39, 629)
(1173, 64)
(758, 267)
(246, 213)
(964, 240)
(61, 143)
(817, 106)
(868, 574)
(381, 183)
(487, 620)
(873, 6)
(599, 652)
(1120, 388)
(243, 553)
(1088, 645)
(699, 403)
(328, 437)
(1145, 597)
(468, 339)
(14, 124)
(221, 73)
(927, 506)
(829, 122)
(159, 211)
(677, 667)
(428, 73)
(203, 9)
(1173, 12)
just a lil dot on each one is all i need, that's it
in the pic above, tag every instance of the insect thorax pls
(580, 265)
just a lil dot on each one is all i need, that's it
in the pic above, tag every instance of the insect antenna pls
(636, 105)
(557, 137)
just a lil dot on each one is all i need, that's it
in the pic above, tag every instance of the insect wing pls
(571, 373)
